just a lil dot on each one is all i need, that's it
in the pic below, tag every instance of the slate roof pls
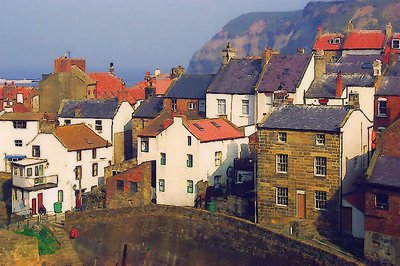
(157, 125)
(284, 72)
(307, 118)
(190, 86)
(325, 87)
(238, 77)
(386, 172)
(207, 130)
(361, 64)
(389, 86)
(322, 42)
(93, 108)
(79, 137)
(149, 108)
(364, 39)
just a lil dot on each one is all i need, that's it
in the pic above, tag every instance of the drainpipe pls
(255, 189)
(341, 181)
(369, 129)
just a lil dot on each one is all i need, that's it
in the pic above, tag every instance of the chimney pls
(78, 111)
(63, 64)
(320, 31)
(157, 72)
(377, 66)
(339, 85)
(389, 30)
(228, 53)
(301, 51)
(267, 54)
(112, 70)
(349, 26)
(149, 91)
(319, 64)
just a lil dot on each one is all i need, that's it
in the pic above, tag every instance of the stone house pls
(107, 117)
(308, 159)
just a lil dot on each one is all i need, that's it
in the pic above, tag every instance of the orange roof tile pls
(207, 130)
(364, 39)
(107, 85)
(327, 42)
(161, 84)
(20, 108)
(79, 137)
(157, 125)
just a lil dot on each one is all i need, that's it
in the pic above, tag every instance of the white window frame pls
(192, 106)
(282, 196)
(189, 160)
(144, 144)
(320, 165)
(396, 44)
(380, 108)
(161, 185)
(379, 204)
(221, 107)
(173, 104)
(320, 139)
(282, 137)
(282, 162)
(98, 125)
(320, 200)
(218, 158)
(163, 158)
(18, 143)
(245, 107)
(189, 186)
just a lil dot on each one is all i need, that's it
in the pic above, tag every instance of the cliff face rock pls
(287, 31)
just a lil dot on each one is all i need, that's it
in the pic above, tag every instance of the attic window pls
(334, 41)
(215, 124)
(366, 66)
(198, 127)
(396, 44)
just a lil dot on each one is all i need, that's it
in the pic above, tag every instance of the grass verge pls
(47, 243)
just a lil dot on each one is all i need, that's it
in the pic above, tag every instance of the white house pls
(16, 130)
(106, 117)
(188, 152)
(70, 161)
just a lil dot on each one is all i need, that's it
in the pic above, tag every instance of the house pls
(330, 43)
(308, 158)
(59, 168)
(107, 84)
(17, 130)
(382, 200)
(107, 117)
(232, 92)
(188, 152)
(285, 79)
(15, 98)
(187, 95)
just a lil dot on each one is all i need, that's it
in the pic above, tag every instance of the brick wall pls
(137, 125)
(182, 106)
(392, 110)
(388, 141)
(301, 150)
(64, 64)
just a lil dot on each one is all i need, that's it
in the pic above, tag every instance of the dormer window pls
(334, 41)
(395, 43)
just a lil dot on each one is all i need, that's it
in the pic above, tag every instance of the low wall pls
(107, 232)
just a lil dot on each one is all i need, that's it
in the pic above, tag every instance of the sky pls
(136, 35)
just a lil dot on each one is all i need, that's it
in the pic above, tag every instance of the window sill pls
(322, 210)
(319, 176)
(281, 206)
(245, 116)
(381, 116)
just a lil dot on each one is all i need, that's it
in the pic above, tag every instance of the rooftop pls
(207, 130)
(29, 161)
(149, 108)
(389, 86)
(27, 116)
(328, 42)
(386, 172)
(107, 84)
(190, 86)
(364, 40)
(90, 108)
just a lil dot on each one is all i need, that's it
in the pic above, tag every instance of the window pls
(189, 140)
(78, 172)
(381, 201)
(320, 166)
(334, 41)
(67, 122)
(19, 124)
(218, 158)
(281, 196)
(95, 168)
(78, 155)
(282, 136)
(217, 181)
(161, 185)
(245, 107)
(192, 106)
(29, 171)
(320, 139)
(221, 106)
(98, 125)
(320, 200)
(281, 163)
(189, 161)
(60, 196)
(382, 107)
(190, 186)
(18, 143)
(173, 104)
(120, 185)
(39, 170)
(396, 44)
(35, 151)
(115, 172)
(94, 153)
(163, 160)
(133, 187)
(144, 144)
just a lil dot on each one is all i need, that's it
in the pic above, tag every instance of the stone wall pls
(155, 226)
(119, 147)
(301, 149)
(18, 249)
(382, 249)
(137, 125)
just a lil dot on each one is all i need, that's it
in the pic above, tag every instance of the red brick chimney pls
(339, 85)
(63, 64)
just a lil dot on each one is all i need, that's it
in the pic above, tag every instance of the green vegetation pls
(47, 242)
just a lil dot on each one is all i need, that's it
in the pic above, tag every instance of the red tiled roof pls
(17, 89)
(79, 137)
(364, 39)
(108, 85)
(213, 129)
(137, 93)
(323, 42)
(20, 108)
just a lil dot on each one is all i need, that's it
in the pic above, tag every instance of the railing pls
(29, 182)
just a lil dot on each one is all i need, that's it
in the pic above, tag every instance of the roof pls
(308, 118)
(190, 86)
(239, 76)
(323, 42)
(79, 137)
(389, 86)
(20, 108)
(161, 83)
(89, 108)
(386, 172)
(325, 87)
(207, 130)
(107, 84)
(12, 94)
(284, 72)
(149, 108)
(364, 39)
(350, 64)
(29, 161)
(157, 125)
(25, 116)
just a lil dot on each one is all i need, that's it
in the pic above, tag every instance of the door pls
(33, 207)
(40, 200)
(301, 204)
(347, 220)
(77, 199)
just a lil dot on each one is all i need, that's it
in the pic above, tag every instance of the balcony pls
(35, 183)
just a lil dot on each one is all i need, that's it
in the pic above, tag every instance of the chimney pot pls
(339, 85)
